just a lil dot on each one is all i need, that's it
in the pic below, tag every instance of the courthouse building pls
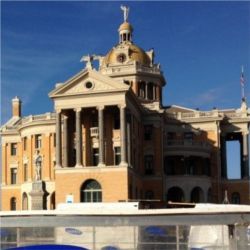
(111, 139)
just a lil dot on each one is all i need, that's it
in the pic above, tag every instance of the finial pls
(125, 10)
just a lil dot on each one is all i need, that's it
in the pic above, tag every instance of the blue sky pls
(200, 46)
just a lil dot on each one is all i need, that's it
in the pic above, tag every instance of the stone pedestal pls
(37, 196)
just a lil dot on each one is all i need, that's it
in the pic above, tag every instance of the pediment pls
(88, 82)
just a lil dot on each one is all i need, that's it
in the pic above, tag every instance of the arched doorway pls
(25, 205)
(175, 194)
(197, 195)
(91, 191)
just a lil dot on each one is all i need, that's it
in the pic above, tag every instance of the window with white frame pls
(13, 149)
(91, 191)
(38, 141)
(13, 176)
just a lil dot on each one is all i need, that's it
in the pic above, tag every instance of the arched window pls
(13, 203)
(235, 197)
(91, 191)
(175, 194)
(25, 201)
(197, 195)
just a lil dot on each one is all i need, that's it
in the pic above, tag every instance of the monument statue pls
(38, 166)
(125, 10)
(88, 59)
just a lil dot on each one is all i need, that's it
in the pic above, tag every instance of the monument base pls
(38, 196)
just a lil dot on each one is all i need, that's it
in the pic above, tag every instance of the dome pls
(134, 53)
(125, 26)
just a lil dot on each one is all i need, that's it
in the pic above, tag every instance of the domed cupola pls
(128, 63)
(125, 30)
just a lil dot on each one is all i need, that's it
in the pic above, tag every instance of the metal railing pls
(143, 229)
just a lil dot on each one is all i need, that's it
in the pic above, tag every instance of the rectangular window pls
(95, 156)
(148, 132)
(13, 148)
(38, 141)
(25, 143)
(13, 177)
(171, 136)
(189, 136)
(149, 164)
(25, 172)
(117, 155)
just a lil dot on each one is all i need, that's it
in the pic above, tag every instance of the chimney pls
(16, 107)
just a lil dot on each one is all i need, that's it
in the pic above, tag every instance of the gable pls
(88, 82)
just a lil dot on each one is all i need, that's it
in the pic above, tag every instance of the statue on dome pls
(125, 10)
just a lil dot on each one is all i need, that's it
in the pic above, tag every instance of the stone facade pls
(110, 139)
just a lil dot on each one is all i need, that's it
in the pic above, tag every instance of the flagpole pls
(242, 83)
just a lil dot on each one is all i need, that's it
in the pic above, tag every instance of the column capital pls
(58, 110)
(245, 133)
(100, 107)
(77, 110)
(122, 106)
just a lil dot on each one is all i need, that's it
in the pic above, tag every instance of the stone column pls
(146, 90)
(101, 135)
(65, 141)
(78, 138)
(58, 140)
(223, 156)
(245, 156)
(123, 135)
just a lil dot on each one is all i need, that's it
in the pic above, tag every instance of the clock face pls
(121, 58)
